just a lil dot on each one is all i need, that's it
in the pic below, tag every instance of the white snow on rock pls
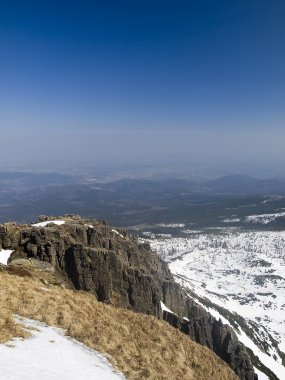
(44, 224)
(49, 354)
(117, 233)
(4, 256)
(165, 308)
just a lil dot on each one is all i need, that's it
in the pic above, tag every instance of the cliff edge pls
(119, 270)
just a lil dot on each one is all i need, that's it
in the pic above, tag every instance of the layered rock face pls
(121, 271)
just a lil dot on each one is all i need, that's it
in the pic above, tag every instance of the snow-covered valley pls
(240, 276)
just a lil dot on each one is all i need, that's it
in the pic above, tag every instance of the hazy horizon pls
(147, 83)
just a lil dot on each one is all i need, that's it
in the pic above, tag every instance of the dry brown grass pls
(9, 328)
(140, 346)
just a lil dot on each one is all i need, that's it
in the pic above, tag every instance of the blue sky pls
(136, 69)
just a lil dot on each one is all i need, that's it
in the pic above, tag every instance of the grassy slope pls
(141, 346)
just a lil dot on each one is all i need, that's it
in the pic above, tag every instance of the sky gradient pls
(80, 76)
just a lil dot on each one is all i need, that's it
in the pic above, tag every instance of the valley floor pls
(239, 276)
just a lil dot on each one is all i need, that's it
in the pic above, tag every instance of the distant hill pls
(244, 185)
(24, 196)
(23, 180)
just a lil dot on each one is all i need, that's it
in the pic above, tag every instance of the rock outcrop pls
(120, 270)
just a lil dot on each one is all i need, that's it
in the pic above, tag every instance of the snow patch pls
(231, 220)
(272, 198)
(44, 224)
(261, 375)
(149, 234)
(4, 256)
(165, 308)
(264, 218)
(117, 232)
(191, 231)
(49, 354)
(152, 235)
(172, 225)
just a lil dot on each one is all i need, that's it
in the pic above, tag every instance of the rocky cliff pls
(121, 271)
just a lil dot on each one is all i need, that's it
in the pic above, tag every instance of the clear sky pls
(80, 80)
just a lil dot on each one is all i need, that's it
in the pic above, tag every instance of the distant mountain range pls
(231, 184)
(240, 184)
(126, 202)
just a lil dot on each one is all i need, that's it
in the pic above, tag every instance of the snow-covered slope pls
(50, 355)
(242, 273)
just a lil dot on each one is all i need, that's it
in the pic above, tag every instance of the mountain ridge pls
(120, 270)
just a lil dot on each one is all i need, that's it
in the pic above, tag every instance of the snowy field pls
(242, 272)
(50, 355)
